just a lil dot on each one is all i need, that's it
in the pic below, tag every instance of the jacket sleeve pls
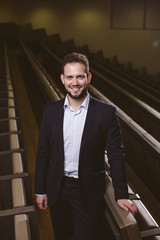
(42, 157)
(115, 153)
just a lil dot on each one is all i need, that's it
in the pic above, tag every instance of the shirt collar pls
(84, 104)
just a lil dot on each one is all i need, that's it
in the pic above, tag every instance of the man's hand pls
(42, 202)
(127, 205)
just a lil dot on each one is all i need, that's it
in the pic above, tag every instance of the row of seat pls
(146, 120)
(146, 154)
(18, 217)
(139, 76)
(147, 226)
(125, 70)
(11, 30)
(124, 225)
(145, 115)
(142, 112)
(144, 219)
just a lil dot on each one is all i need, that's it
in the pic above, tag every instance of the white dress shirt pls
(73, 126)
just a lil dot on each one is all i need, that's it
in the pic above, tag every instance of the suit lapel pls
(88, 124)
(60, 116)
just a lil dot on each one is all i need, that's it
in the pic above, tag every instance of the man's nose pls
(75, 81)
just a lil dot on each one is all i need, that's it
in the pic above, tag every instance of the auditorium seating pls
(13, 162)
(124, 225)
(18, 217)
(145, 115)
(126, 69)
(53, 39)
(33, 35)
(21, 223)
(142, 226)
(146, 152)
(132, 144)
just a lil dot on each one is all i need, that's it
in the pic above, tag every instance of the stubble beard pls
(80, 96)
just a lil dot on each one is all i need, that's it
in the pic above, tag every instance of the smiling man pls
(70, 165)
(76, 80)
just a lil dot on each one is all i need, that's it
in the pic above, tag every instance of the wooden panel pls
(152, 14)
(127, 14)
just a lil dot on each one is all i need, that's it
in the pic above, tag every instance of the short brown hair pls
(74, 58)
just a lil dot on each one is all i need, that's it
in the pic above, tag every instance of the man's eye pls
(69, 77)
(80, 77)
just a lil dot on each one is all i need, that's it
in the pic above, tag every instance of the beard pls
(79, 96)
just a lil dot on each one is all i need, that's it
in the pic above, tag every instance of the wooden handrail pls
(127, 224)
(132, 124)
(127, 82)
(49, 89)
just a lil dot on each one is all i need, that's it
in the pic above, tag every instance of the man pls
(70, 166)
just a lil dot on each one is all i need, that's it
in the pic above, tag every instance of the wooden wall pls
(93, 22)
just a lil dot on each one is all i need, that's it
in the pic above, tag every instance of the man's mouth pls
(75, 88)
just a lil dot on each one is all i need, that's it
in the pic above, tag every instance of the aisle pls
(30, 132)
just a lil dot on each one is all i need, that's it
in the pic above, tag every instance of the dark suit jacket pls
(101, 132)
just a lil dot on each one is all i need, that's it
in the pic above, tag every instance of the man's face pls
(75, 80)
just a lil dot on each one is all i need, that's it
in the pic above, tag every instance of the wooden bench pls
(11, 102)
(7, 102)
(10, 87)
(9, 125)
(12, 163)
(11, 112)
(6, 94)
(14, 141)
(123, 224)
(11, 141)
(13, 125)
(148, 226)
(15, 215)
(21, 227)
(10, 94)
(17, 164)
(18, 192)
(13, 221)
(156, 238)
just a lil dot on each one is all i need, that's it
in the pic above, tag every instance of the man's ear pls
(89, 77)
(62, 78)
